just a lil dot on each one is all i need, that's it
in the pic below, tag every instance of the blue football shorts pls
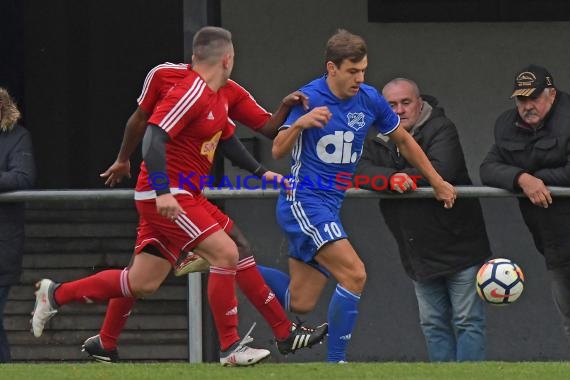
(308, 227)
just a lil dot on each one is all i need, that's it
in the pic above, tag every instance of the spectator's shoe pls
(189, 263)
(94, 348)
(240, 354)
(301, 337)
(45, 307)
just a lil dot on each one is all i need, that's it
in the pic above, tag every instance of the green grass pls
(400, 371)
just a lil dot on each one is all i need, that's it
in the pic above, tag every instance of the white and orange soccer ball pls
(500, 282)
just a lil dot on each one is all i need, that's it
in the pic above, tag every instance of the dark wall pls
(12, 51)
(467, 10)
(84, 64)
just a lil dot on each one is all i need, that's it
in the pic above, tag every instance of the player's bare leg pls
(147, 273)
(306, 286)
(344, 264)
(342, 261)
(194, 262)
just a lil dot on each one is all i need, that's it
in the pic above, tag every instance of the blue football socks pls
(343, 310)
(278, 282)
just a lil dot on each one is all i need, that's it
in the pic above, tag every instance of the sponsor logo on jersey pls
(337, 148)
(210, 116)
(232, 311)
(209, 147)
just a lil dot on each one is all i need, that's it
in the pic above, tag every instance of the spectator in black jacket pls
(440, 249)
(531, 151)
(17, 172)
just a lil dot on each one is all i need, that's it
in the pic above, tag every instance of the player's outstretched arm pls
(270, 128)
(134, 132)
(233, 149)
(414, 154)
(318, 117)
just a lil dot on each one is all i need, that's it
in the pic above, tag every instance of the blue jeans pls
(452, 317)
(4, 347)
(560, 283)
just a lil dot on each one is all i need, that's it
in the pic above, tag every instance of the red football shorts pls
(201, 220)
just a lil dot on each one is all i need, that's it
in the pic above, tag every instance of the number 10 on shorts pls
(333, 230)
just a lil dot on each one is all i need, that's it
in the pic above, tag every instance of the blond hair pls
(9, 113)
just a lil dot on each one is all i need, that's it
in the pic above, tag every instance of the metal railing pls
(194, 279)
(124, 194)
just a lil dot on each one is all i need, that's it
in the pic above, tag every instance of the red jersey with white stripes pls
(242, 107)
(195, 119)
(157, 83)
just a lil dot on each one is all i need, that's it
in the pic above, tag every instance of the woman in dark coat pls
(17, 172)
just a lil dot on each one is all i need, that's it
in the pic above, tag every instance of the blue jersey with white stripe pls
(324, 159)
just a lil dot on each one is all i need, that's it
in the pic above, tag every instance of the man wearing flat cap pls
(531, 151)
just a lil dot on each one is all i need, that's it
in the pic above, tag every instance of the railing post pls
(195, 318)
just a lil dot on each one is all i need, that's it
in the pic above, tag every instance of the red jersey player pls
(242, 107)
(183, 133)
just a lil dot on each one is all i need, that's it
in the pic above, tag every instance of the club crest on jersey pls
(355, 120)
(209, 147)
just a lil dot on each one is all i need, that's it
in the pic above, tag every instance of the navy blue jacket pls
(17, 172)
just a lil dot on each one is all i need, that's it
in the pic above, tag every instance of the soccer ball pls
(500, 282)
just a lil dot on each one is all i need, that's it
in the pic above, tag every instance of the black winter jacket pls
(433, 241)
(544, 153)
(17, 172)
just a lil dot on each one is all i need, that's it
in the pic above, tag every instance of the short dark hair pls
(211, 42)
(345, 45)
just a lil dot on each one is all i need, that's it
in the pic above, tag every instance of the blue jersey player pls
(325, 142)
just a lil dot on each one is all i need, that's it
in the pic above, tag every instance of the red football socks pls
(223, 303)
(100, 287)
(260, 295)
(118, 311)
